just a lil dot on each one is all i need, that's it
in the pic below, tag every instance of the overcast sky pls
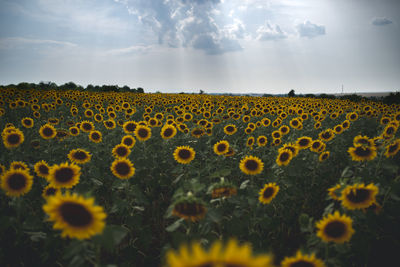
(238, 46)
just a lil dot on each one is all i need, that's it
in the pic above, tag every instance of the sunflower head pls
(284, 157)
(262, 140)
(221, 147)
(129, 141)
(121, 151)
(302, 260)
(47, 131)
(358, 196)
(222, 189)
(268, 193)
(64, 175)
(363, 141)
(27, 122)
(168, 132)
(12, 137)
(304, 142)
(95, 136)
(122, 168)
(392, 148)
(189, 208)
(251, 165)
(323, 156)
(333, 192)
(184, 154)
(16, 182)
(87, 126)
(335, 228)
(79, 156)
(230, 129)
(362, 153)
(142, 132)
(49, 191)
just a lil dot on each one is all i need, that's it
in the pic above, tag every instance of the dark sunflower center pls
(390, 130)
(302, 263)
(17, 181)
(189, 209)
(184, 154)
(87, 126)
(276, 135)
(128, 141)
(393, 148)
(284, 156)
(143, 133)
(13, 139)
(130, 127)
(43, 169)
(284, 130)
(363, 141)
(326, 135)
(229, 129)
(295, 123)
(168, 132)
(51, 191)
(198, 132)
(304, 142)
(80, 155)
(64, 175)
(221, 147)
(316, 145)
(250, 142)
(75, 214)
(338, 129)
(345, 124)
(74, 131)
(251, 165)
(268, 192)
(95, 136)
(48, 131)
(335, 229)
(324, 156)
(362, 151)
(122, 168)
(121, 151)
(352, 116)
(359, 196)
(27, 122)
(109, 124)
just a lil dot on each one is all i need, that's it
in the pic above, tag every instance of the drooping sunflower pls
(323, 156)
(121, 151)
(122, 168)
(232, 254)
(64, 175)
(42, 169)
(262, 140)
(251, 165)
(95, 136)
(189, 208)
(47, 131)
(13, 138)
(335, 227)
(333, 192)
(221, 147)
(230, 129)
(362, 153)
(393, 148)
(142, 133)
(302, 260)
(16, 182)
(184, 154)
(268, 193)
(284, 157)
(223, 190)
(87, 126)
(304, 142)
(76, 216)
(358, 196)
(168, 131)
(27, 122)
(49, 191)
(129, 141)
(79, 156)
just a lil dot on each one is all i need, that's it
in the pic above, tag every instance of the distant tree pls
(140, 90)
(125, 89)
(392, 98)
(266, 95)
(291, 93)
(90, 87)
(328, 96)
(352, 97)
(201, 92)
(310, 95)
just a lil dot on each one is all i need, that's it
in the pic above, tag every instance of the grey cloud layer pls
(381, 21)
(310, 30)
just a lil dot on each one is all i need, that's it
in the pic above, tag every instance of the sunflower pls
(95, 136)
(168, 131)
(326, 135)
(19, 165)
(184, 154)
(27, 122)
(142, 132)
(335, 227)
(230, 152)
(251, 165)
(13, 138)
(230, 129)
(232, 254)
(358, 196)
(49, 191)
(389, 131)
(276, 142)
(16, 182)
(64, 175)
(221, 147)
(129, 141)
(332, 192)
(79, 156)
(338, 129)
(304, 142)
(323, 156)
(75, 215)
(2, 170)
(268, 193)
(302, 260)
(47, 131)
(189, 208)
(393, 148)
(223, 191)
(353, 116)
(284, 157)
(197, 132)
(363, 140)
(121, 151)
(250, 142)
(74, 131)
(292, 147)
(87, 126)
(109, 124)
(42, 169)
(122, 168)
(362, 153)
(262, 140)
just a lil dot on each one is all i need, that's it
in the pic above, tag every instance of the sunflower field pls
(135, 179)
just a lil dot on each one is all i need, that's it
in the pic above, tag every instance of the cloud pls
(188, 23)
(310, 30)
(270, 32)
(381, 21)
(135, 49)
(17, 42)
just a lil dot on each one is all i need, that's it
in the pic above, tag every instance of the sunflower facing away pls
(302, 260)
(79, 156)
(358, 196)
(189, 208)
(232, 254)
(122, 168)
(362, 153)
(268, 193)
(16, 182)
(76, 216)
(221, 147)
(184, 154)
(335, 227)
(64, 175)
(251, 165)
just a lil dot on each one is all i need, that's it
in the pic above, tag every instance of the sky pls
(218, 46)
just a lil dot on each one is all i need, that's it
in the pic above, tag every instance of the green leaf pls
(174, 226)
(111, 237)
